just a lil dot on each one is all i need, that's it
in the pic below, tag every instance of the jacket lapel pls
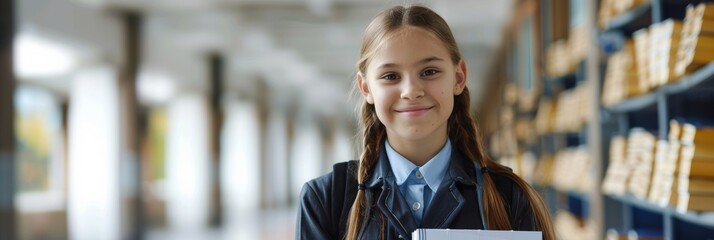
(396, 209)
(444, 207)
(448, 201)
(390, 200)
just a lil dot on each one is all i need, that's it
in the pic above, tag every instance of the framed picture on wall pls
(40, 150)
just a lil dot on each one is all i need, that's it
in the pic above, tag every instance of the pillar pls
(8, 222)
(94, 205)
(188, 164)
(216, 76)
(132, 200)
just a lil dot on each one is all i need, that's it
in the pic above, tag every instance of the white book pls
(470, 234)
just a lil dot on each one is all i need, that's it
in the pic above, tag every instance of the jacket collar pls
(381, 170)
(461, 169)
(449, 199)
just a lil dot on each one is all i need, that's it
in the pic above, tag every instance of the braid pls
(373, 134)
(465, 134)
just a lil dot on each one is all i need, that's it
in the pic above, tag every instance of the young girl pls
(422, 164)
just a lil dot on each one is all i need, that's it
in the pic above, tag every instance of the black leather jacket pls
(325, 202)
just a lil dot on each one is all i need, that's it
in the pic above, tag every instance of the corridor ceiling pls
(302, 50)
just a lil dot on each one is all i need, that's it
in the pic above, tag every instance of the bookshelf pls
(700, 78)
(684, 97)
(588, 212)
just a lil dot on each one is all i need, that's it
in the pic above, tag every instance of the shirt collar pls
(433, 171)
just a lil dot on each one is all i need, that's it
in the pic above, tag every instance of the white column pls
(187, 163)
(94, 206)
(307, 155)
(240, 162)
(277, 159)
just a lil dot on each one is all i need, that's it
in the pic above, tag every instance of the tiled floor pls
(264, 225)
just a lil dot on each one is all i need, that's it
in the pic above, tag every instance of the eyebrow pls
(423, 61)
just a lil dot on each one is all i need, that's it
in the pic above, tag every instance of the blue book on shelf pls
(470, 234)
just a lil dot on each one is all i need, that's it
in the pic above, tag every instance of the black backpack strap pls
(344, 192)
(479, 194)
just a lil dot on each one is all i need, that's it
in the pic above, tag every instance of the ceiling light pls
(37, 57)
(155, 88)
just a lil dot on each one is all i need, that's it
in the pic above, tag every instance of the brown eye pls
(390, 76)
(430, 72)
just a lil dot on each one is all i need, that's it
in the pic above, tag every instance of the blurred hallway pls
(202, 119)
(188, 119)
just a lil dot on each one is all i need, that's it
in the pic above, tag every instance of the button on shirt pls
(419, 183)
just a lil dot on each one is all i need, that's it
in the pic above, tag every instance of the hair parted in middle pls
(461, 127)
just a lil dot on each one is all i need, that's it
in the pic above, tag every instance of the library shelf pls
(632, 20)
(688, 82)
(704, 219)
(567, 81)
(578, 195)
(634, 104)
(691, 81)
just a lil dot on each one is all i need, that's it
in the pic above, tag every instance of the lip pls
(414, 111)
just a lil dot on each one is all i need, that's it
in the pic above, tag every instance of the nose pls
(412, 88)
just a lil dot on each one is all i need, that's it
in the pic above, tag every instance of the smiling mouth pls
(414, 111)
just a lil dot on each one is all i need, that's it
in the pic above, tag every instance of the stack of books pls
(641, 39)
(523, 165)
(566, 112)
(639, 234)
(568, 226)
(563, 56)
(661, 192)
(571, 171)
(460, 234)
(640, 156)
(503, 143)
(525, 131)
(621, 77)
(656, 54)
(664, 39)
(544, 170)
(558, 59)
(697, 45)
(545, 118)
(578, 41)
(573, 109)
(695, 185)
(617, 171)
(660, 165)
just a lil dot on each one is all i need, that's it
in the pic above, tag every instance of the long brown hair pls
(462, 128)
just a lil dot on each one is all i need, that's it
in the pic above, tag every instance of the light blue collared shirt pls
(412, 179)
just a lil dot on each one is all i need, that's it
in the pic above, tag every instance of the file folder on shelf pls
(469, 234)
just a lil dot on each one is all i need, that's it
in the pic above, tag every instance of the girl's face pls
(411, 80)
